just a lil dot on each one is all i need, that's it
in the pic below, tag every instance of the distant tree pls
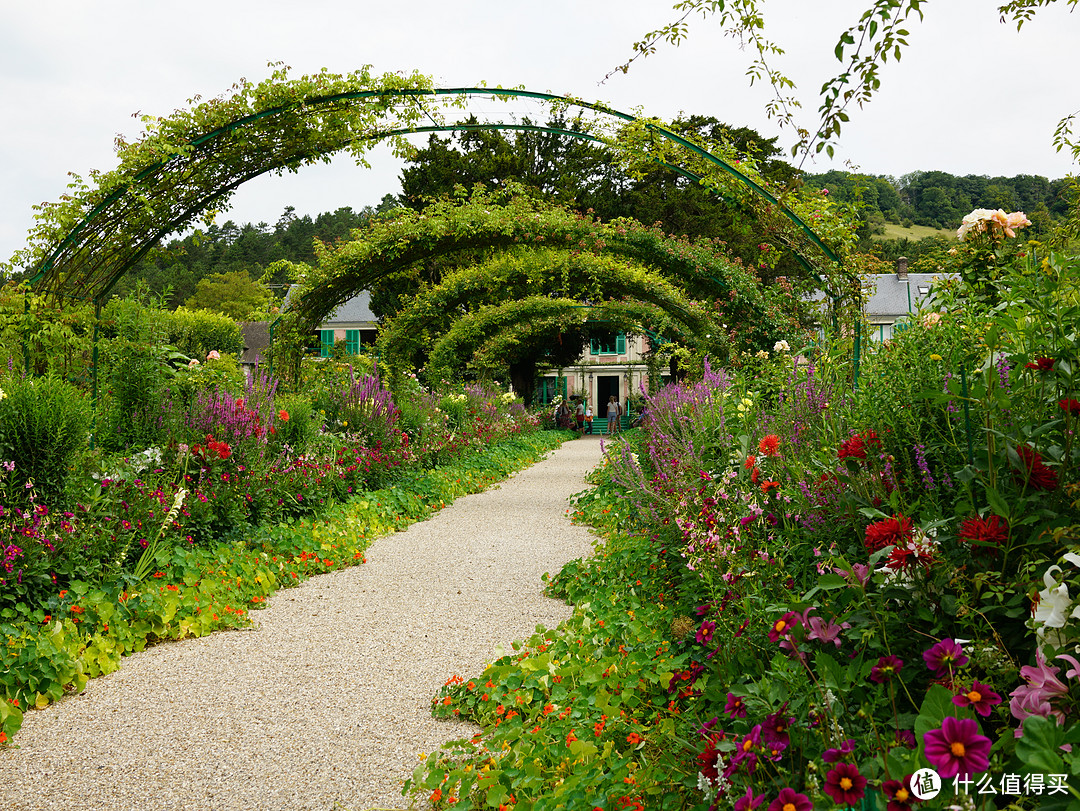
(234, 294)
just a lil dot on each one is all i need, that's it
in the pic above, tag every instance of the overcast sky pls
(970, 96)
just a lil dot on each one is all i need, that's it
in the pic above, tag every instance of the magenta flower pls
(735, 707)
(957, 748)
(748, 802)
(885, 669)
(776, 726)
(844, 784)
(980, 698)
(899, 794)
(944, 657)
(833, 755)
(791, 800)
(822, 631)
(705, 632)
(784, 626)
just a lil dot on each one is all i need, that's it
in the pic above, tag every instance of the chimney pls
(901, 269)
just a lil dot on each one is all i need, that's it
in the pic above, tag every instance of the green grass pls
(895, 231)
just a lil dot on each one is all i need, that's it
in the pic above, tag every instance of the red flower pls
(844, 784)
(1071, 407)
(888, 532)
(283, 415)
(1041, 364)
(769, 445)
(852, 448)
(755, 475)
(769, 485)
(751, 460)
(1039, 476)
(985, 534)
(899, 795)
(784, 626)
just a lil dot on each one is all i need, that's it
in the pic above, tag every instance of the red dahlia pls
(888, 532)
(985, 534)
(1039, 476)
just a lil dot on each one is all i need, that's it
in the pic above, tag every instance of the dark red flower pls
(1039, 476)
(852, 448)
(755, 475)
(1041, 364)
(898, 795)
(985, 534)
(1071, 407)
(844, 784)
(888, 532)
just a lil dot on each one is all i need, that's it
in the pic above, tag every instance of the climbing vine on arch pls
(520, 273)
(518, 329)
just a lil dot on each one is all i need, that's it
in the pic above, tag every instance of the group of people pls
(577, 415)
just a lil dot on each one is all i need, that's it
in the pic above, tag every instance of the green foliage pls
(234, 294)
(222, 372)
(196, 333)
(81, 632)
(44, 425)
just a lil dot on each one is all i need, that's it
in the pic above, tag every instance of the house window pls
(549, 388)
(326, 343)
(352, 341)
(609, 345)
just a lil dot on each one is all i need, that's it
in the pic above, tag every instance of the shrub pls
(196, 333)
(44, 424)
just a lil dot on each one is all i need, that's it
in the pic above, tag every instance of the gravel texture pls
(324, 703)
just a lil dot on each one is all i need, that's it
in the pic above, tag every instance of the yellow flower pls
(935, 357)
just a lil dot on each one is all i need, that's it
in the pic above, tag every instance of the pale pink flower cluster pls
(983, 219)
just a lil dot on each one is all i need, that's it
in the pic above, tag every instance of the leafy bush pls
(196, 333)
(44, 424)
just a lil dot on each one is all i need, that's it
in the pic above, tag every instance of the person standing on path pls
(614, 411)
(579, 417)
(588, 418)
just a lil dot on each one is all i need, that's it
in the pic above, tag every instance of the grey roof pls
(894, 297)
(356, 310)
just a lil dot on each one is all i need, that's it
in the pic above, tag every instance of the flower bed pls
(810, 593)
(82, 631)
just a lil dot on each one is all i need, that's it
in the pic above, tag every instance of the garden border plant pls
(82, 632)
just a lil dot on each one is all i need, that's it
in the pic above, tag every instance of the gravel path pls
(324, 703)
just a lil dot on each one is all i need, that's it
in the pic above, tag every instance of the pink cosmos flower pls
(844, 784)
(735, 707)
(748, 802)
(957, 748)
(784, 626)
(980, 698)
(885, 669)
(944, 656)
(791, 800)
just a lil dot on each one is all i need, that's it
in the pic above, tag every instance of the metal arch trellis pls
(73, 246)
(48, 267)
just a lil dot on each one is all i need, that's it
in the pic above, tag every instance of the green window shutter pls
(564, 388)
(326, 343)
(352, 341)
(620, 344)
(594, 347)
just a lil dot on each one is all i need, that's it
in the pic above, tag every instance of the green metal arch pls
(48, 267)
(609, 276)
